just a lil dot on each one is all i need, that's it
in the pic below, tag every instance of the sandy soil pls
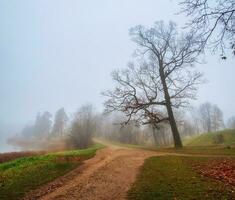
(106, 176)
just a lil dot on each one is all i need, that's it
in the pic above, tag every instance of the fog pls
(61, 53)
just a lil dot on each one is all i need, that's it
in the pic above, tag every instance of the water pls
(7, 131)
(4, 147)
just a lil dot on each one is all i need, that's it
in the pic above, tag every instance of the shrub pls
(218, 139)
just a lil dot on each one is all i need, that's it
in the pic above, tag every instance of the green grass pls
(19, 176)
(207, 139)
(203, 144)
(171, 177)
(200, 150)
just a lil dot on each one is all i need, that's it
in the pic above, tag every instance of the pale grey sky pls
(56, 53)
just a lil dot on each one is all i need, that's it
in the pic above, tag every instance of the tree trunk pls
(155, 136)
(164, 138)
(209, 126)
(174, 129)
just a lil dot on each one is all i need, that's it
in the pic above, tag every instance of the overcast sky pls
(60, 53)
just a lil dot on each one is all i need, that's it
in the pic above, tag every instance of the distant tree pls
(214, 21)
(129, 134)
(34, 136)
(41, 126)
(211, 116)
(162, 135)
(187, 128)
(83, 127)
(205, 111)
(162, 80)
(28, 131)
(60, 121)
(195, 119)
(43, 123)
(231, 122)
(217, 118)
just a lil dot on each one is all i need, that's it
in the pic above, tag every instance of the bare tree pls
(205, 111)
(195, 118)
(217, 118)
(214, 21)
(162, 80)
(187, 128)
(42, 126)
(60, 121)
(211, 116)
(129, 134)
(231, 122)
(83, 127)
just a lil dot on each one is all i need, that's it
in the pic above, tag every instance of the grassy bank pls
(201, 144)
(6, 157)
(24, 174)
(171, 177)
(202, 150)
(209, 139)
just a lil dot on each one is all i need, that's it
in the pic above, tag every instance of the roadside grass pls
(200, 150)
(19, 176)
(202, 145)
(172, 177)
(6, 157)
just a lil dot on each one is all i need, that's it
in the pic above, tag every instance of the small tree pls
(83, 127)
(211, 117)
(217, 118)
(42, 126)
(162, 80)
(28, 131)
(205, 111)
(60, 121)
(218, 139)
(129, 134)
(231, 122)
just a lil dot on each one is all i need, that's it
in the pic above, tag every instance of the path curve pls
(108, 175)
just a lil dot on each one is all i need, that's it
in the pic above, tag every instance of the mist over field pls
(117, 99)
(60, 54)
(7, 131)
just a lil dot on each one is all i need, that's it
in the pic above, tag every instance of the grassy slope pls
(207, 139)
(203, 150)
(6, 157)
(21, 175)
(171, 177)
(202, 144)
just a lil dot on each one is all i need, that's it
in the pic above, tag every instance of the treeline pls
(191, 121)
(61, 133)
(65, 132)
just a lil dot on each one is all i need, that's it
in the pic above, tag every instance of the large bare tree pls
(161, 79)
(214, 21)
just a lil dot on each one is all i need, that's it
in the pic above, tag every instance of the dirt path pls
(106, 176)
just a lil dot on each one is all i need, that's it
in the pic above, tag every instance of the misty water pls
(7, 131)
